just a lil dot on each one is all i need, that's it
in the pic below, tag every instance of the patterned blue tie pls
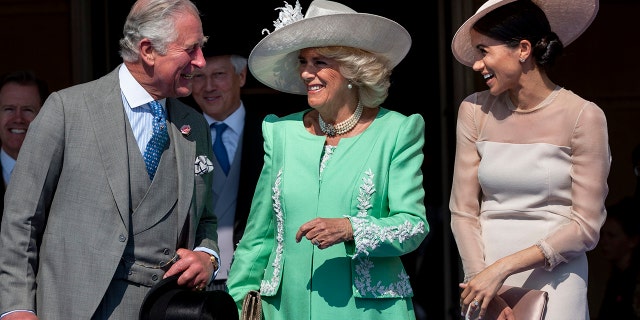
(158, 141)
(218, 147)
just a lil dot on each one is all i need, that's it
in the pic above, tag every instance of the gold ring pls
(199, 288)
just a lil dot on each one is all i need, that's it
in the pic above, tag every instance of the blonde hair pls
(369, 72)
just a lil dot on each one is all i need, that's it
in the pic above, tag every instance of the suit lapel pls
(109, 120)
(185, 148)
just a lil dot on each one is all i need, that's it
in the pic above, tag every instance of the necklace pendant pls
(331, 130)
(342, 127)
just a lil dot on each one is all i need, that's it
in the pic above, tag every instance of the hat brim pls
(168, 300)
(164, 290)
(274, 60)
(568, 19)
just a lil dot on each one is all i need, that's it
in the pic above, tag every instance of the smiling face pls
(498, 63)
(19, 105)
(325, 84)
(172, 72)
(216, 87)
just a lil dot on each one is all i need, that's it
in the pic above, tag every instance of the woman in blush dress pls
(532, 160)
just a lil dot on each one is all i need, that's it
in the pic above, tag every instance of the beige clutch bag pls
(252, 306)
(527, 304)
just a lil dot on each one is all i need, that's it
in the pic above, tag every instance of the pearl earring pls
(349, 86)
(522, 60)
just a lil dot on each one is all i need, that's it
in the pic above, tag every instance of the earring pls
(349, 86)
(522, 60)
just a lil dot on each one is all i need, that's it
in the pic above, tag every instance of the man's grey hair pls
(154, 20)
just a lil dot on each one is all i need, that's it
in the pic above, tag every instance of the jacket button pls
(122, 238)
(166, 251)
(154, 277)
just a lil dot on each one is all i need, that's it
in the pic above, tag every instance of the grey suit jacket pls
(66, 220)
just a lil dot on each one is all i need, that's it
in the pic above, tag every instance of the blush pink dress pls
(532, 177)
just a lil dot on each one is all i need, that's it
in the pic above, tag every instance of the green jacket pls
(374, 179)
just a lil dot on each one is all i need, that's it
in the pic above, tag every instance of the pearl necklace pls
(343, 127)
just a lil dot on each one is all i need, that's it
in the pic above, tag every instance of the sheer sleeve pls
(465, 193)
(591, 160)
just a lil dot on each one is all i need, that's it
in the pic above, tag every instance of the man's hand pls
(194, 267)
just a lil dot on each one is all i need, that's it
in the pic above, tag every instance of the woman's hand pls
(484, 286)
(325, 232)
(480, 291)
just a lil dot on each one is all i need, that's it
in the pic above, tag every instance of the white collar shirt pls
(231, 136)
(135, 99)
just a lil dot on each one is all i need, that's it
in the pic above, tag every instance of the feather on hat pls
(274, 60)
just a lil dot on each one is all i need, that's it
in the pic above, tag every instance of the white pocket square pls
(203, 165)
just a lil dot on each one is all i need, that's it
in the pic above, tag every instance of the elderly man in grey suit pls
(88, 227)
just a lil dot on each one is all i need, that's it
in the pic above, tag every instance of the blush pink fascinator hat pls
(568, 19)
(274, 60)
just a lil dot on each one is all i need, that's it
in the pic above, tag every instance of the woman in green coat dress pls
(340, 197)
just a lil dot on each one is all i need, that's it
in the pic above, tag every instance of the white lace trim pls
(328, 152)
(368, 237)
(269, 287)
(401, 288)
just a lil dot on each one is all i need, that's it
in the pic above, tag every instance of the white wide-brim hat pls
(274, 60)
(568, 19)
